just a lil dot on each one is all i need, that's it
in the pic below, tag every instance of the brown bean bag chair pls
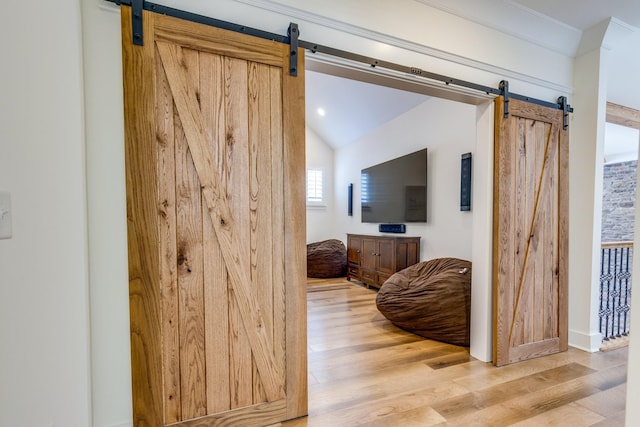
(431, 299)
(327, 258)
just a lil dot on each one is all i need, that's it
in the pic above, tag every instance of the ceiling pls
(354, 108)
(590, 13)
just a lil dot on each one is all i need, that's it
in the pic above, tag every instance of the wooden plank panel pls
(504, 232)
(562, 271)
(262, 414)
(554, 236)
(545, 236)
(521, 220)
(168, 280)
(550, 299)
(190, 116)
(216, 297)
(142, 224)
(533, 260)
(190, 262)
(535, 349)
(278, 219)
(295, 238)
(540, 132)
(237, 193)
(214, 40)
(260, 200)
(528, 110)
(533, 171)
(241, 370)
(547, 216)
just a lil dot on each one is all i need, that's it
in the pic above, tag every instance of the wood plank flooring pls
(365, 371)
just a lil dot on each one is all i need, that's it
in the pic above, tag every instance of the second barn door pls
(530, 274)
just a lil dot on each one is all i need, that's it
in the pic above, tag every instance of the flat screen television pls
(395, 191)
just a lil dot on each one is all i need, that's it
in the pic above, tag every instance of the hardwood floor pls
(365, 371)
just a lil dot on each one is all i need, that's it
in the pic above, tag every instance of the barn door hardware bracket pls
(293, 46)
(566, 109)
(295, 43)
(504, 88)
(136, 22)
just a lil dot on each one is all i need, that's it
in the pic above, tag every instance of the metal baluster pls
(608, 307)
(616, 278)
(600, 312)
(626, 292)
(616, 264)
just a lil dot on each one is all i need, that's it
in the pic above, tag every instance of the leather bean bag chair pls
(327, 258)
(431, 299)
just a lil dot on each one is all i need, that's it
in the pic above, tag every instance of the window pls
(315, 193)
(364, 188)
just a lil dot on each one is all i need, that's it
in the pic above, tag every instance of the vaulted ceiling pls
(354, 108)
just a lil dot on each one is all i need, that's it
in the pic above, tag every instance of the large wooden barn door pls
(530, 232)
(216, 226)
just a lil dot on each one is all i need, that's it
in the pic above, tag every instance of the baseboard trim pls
(586, 342)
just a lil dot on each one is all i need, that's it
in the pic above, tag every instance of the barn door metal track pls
(292, 39)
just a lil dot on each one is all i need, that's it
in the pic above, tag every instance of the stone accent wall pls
(618, 201)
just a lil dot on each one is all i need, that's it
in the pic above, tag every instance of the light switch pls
(5, 215)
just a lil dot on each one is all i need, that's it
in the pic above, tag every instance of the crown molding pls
(365, 33)
(617, 32)
(518, 21)
(606, 35)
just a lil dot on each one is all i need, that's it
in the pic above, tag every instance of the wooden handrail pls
(625, 244)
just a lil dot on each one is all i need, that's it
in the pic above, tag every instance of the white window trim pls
(316, 203)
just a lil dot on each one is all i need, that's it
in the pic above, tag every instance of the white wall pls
(43, 270)
(447, 129)
(320, 219)
(44, 316)
(110, 351)
(633, 373)
(482, 245)
(586, 161)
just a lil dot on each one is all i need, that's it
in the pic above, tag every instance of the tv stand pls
(373, 259)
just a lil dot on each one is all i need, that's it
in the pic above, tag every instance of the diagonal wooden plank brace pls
(550, 148)
(218, 207)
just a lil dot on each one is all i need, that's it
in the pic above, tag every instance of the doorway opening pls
(449, 122)
(617, 227)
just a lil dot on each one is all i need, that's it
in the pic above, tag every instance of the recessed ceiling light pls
(321, 112)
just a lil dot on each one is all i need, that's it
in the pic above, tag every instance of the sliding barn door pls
(531, 182)
(216, 226)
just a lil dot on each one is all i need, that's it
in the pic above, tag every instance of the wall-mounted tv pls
(395, 191)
